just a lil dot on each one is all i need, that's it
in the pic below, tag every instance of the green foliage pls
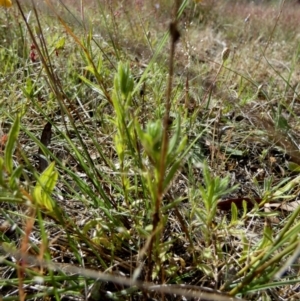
(60, 44)
(9, 174)
(151, 139)
(214, 188)
(44, 187)
(121, 96)
(123, 83)
(10, 144)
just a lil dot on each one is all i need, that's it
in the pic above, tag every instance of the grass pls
(149, 151)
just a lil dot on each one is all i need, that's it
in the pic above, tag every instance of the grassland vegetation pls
(149, 150)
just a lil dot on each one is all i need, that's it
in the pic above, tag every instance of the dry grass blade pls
(278, 137)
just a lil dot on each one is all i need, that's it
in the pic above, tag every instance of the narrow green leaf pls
(14, 179)
(49, 177)
(171, 174)
(92, 85)
(234, 214)
(119, 148)
(29, 88)
(9, 147)
(294, 167)
(1, 173)
(245, 210)
(174, 141)
(287, 187)
(245, 249)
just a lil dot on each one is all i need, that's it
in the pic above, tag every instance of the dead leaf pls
(287, 206)
(45, 139)
(225, 205)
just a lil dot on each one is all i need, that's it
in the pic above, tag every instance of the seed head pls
(225, 54)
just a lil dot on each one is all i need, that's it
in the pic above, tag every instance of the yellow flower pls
(5, 3)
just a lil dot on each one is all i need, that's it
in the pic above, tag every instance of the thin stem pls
(165, 140)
